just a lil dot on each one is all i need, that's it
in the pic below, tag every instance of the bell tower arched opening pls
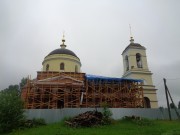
(139, 60)
(127, 63)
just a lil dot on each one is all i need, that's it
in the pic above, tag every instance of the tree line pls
(174, 106)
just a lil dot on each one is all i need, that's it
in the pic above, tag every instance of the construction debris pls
(132, 117)
(87, 119)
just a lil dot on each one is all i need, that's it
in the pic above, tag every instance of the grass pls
(121, 127)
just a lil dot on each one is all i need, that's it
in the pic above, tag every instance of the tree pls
(11, 109)
(161, 108)
(23, 82)
(12, 88)
(172, 105)
(179, 105)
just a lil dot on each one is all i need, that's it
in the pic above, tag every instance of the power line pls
(173, 79)
(159, 83)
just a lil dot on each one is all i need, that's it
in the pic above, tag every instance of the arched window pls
(127, 63)
(76, 68)
(147, 102)
(62, 66)
(139, 60)
(47, 67)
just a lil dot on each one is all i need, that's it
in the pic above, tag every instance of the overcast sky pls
(97, 31)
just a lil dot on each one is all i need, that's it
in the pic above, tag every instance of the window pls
(139, 60)
(62, 66)
(127, 63)
(47, 67)
(76, 68)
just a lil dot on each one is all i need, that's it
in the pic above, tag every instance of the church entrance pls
(147, 102)
(60, 104)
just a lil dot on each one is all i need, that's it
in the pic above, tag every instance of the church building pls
(61, 84)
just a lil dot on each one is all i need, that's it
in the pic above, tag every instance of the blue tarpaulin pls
(110, 79)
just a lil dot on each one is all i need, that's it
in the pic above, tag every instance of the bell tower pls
(136, 66)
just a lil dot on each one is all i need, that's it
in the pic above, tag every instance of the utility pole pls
(166, 91)
(175, 108)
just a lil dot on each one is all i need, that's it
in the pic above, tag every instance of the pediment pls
(62, 79)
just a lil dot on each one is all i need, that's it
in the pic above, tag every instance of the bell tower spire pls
(63, 41)
(131, 37)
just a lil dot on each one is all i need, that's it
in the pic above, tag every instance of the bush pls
(106, 114)
(11, 110)
(34, 123)
(138, 120)
(143, 122)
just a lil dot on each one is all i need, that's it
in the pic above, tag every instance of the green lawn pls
(158, 127)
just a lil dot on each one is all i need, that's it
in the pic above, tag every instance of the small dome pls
(134, 45)
(62, 51)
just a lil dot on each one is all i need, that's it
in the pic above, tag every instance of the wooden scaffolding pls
(74, 90)
(116, 92)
